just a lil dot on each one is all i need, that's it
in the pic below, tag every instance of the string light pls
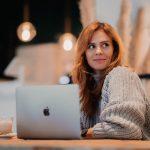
(68, 44)
(67, 41)
(26, 31)
(64, 80)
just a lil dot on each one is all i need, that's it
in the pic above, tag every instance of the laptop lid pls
(48, 112)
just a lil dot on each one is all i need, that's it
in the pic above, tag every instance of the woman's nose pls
(99, 51)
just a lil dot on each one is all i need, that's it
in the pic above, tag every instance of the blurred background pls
(38, 37)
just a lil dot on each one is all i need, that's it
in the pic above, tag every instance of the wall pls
(109, 10)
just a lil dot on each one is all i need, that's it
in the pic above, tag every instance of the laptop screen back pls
(48, 112)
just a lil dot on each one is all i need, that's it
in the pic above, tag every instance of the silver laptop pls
(48, 112)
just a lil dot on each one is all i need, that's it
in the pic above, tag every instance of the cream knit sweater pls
(124, 109)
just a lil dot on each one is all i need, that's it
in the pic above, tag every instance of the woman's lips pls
(101, 60)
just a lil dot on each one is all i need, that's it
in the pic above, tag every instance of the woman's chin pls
(100, 68)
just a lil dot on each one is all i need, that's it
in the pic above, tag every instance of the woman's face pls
(99, 51)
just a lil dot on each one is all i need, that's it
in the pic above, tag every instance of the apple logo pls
(46, 111)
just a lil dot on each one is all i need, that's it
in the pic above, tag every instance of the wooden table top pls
(76, 144)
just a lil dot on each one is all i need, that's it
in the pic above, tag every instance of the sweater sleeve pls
(124, 115)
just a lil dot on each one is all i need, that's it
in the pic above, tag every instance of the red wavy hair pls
(90, 92)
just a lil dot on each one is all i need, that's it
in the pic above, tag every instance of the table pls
(90, 144)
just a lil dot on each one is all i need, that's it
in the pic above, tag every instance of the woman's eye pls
(91, 46)
(105, 45)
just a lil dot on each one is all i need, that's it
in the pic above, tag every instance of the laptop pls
(48, 112)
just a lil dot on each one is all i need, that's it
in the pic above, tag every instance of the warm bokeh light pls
(67, 45)
(26, 31)
(26, 35)
(64, 80)
(67, 41)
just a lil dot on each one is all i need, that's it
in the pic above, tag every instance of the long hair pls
(82, 73)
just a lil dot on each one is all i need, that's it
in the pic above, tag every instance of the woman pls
(113, 101)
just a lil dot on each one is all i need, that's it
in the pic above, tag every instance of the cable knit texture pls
(124, 109)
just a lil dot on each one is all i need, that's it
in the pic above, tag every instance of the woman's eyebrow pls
(105, 41)
(91, 43)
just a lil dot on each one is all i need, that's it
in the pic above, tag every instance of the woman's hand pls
(89, 133)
